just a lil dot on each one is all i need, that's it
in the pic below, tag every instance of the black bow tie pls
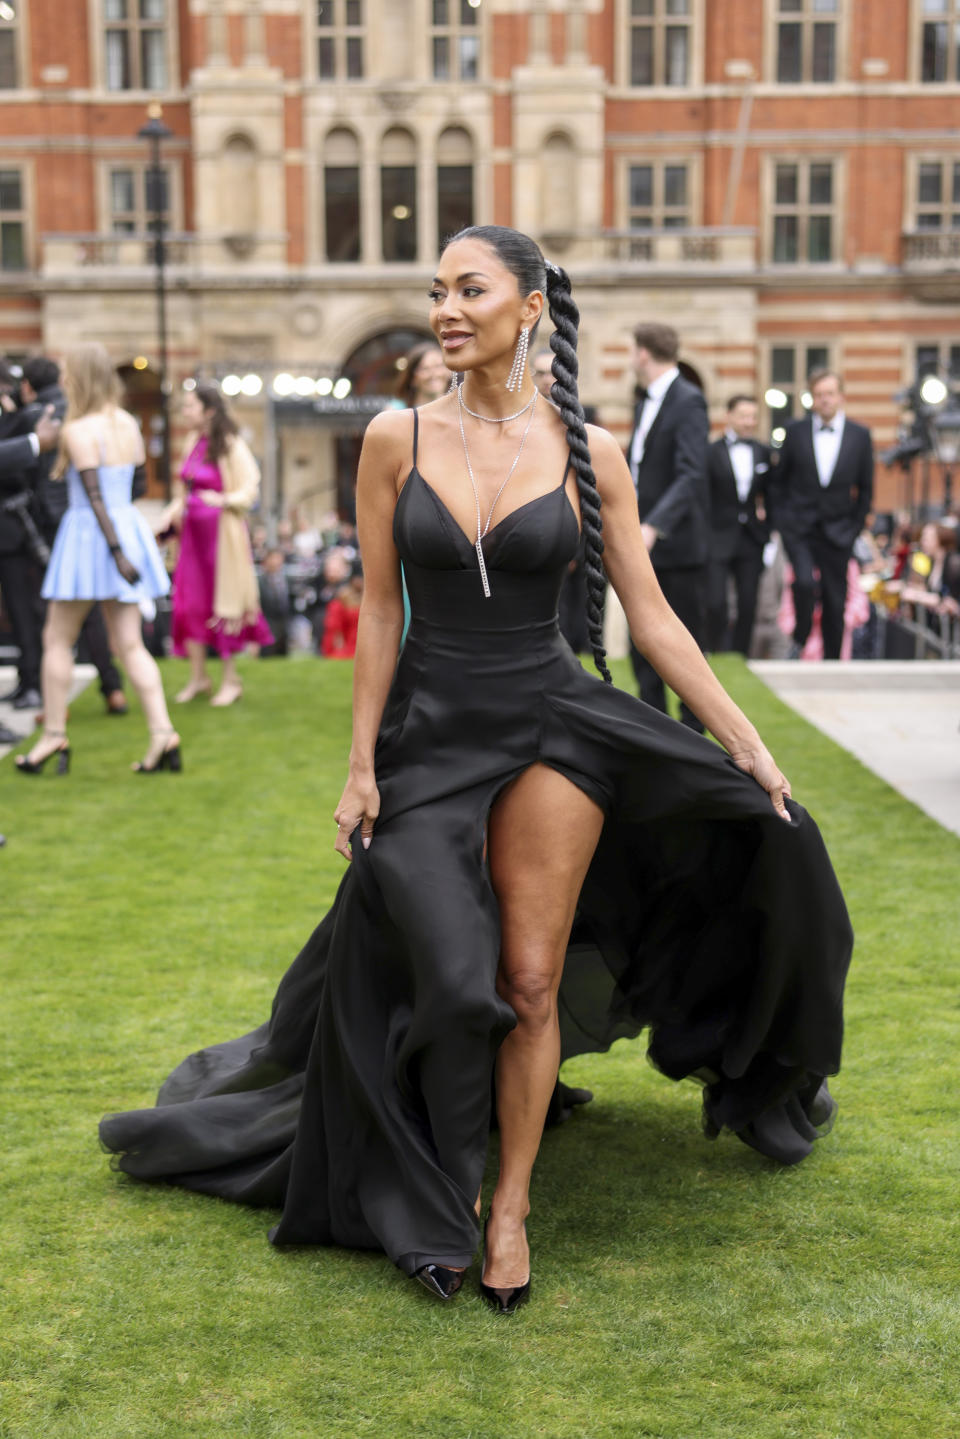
(826, 429)
(736, 440)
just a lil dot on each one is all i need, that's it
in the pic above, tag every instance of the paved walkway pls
(900, 718)
(23, 722)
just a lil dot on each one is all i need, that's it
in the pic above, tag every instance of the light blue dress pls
(81, 566)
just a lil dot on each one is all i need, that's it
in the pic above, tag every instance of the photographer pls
(23, 553)
(18, 456)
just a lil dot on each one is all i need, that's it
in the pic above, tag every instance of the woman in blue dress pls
(540, 863)
(104, 551)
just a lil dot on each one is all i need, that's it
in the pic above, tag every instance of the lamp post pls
(946, 439)
(154, 132)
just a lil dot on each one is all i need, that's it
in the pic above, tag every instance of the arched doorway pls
(141, 390)
(372, 369)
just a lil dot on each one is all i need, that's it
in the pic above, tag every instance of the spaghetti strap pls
(566, 471)
(416, 434)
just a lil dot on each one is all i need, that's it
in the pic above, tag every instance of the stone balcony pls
(704, 253)
(931, 264)
(98, 259)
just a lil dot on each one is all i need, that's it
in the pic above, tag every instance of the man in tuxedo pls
(18, 456)
(668, 462)
(823, 490)
(738, 466)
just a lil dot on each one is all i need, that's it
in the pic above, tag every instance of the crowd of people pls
(764, 551)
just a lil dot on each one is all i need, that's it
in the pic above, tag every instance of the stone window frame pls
(659, 163)
(15, 25)
(948, 14)
(660, 19)
(139, 166)
(807, 16)
(795, 388)
(914, 207)
(21, 216)
(454, 30)
(948, 356)
(98, 25)
(341, 34)
(803, 209)
(322, 236)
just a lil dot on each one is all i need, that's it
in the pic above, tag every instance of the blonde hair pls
(91, 383)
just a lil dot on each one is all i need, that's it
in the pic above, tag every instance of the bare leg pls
(231, 685)
(542, 835)
(63, 624)
(126, 638)
(199, 681)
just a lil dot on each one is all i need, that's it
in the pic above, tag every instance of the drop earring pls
(518, 369)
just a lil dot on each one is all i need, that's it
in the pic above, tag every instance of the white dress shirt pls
(651, 408)
(741, 462)
(826, 445)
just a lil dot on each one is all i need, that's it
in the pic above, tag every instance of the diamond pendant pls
(483, 569)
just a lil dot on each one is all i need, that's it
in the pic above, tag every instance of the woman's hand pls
(213, 498)
(359, 804)
(129, 572)
(759, 763)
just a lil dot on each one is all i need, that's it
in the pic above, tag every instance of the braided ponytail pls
(563, 343)
(523, 257)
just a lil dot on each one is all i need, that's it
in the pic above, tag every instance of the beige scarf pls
(236, 600)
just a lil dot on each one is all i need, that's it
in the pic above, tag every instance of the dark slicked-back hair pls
(524, 259)
(736, 400)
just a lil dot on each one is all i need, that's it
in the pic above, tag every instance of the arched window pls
(238, 193)
(341, 195)
(558, 185)
(398, 195)
(454, 183)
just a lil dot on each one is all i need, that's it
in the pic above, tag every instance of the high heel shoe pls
(442, 1283)
(26, 765)
(503, 1300)
(170, 759)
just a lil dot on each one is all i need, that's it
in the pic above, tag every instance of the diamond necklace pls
(494, 419)
(476, 493)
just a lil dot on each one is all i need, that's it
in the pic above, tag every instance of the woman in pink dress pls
(215, 596)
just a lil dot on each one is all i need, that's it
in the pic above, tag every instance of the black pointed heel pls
(507, 1300)
(441, 1282)
(27, 766)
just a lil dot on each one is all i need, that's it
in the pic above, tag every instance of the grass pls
(681, 1288)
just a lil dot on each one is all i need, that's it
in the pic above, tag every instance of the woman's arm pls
(656, 630)
(83, 450)
(387, 441)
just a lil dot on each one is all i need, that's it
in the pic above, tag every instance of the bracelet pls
(115, 549)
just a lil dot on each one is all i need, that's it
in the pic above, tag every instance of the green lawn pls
(681, 1288)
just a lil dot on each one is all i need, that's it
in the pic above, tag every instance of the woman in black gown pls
(540, 863)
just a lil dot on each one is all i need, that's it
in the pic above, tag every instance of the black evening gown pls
(361, 1108)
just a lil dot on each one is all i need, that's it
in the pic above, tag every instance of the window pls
(340, 39)
(13, 221)
(803, 212)
(454, 183)
(341, 196)
(398, 195)
(455, 39)
(9, 69)
(135, 194)
(939, 37)
(658, 196)
(661, 42)
(937, 204)
(136, 44)
(806, 41)
(943, 360)
(790, 368)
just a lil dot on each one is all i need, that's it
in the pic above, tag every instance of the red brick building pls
(780, 180)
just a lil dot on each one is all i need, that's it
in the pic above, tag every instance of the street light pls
(946, 440)
(155, 131)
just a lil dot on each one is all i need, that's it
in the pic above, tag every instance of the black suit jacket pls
(730, 520)
(837, 510)
(17, 468)
(672, 492)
